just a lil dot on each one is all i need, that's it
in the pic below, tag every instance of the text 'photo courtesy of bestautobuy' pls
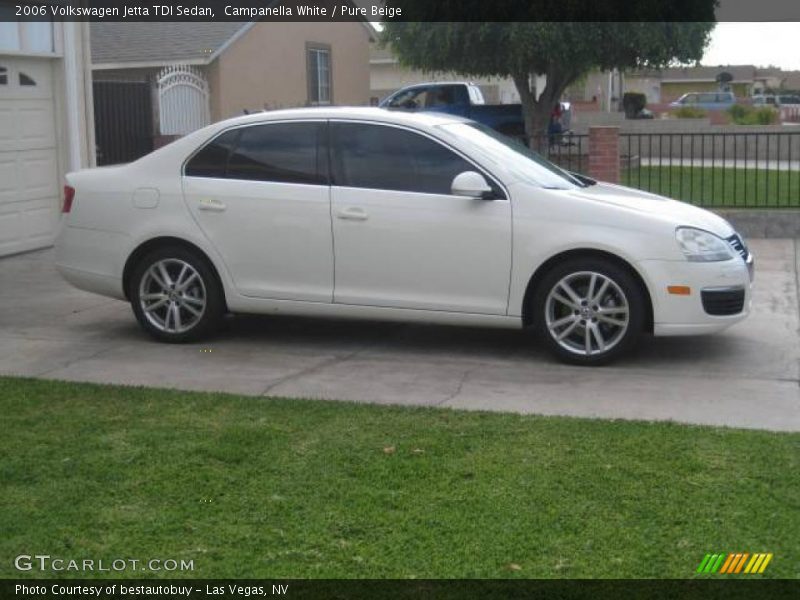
(368, 299)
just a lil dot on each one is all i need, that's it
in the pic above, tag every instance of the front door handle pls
(352, 213)
(212, 205)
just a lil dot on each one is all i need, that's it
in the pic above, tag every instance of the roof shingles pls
(166, 42)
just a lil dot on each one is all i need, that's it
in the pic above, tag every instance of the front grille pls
(738, 245)
(723, 302)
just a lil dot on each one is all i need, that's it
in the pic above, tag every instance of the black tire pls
(204, 286)
(589, 321)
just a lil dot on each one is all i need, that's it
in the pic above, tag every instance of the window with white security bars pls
(320, 81)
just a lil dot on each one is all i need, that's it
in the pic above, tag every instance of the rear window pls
(475, 95)
(275, 152)
(212, 160)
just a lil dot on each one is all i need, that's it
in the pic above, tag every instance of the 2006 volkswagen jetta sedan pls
(361, 212)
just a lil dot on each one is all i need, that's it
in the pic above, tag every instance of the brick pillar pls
(604, 154)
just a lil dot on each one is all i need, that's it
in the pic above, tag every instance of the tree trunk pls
(536, 113)
(528, 101)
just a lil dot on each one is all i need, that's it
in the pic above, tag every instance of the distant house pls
(45, 124)
(195, 73)
(662, 86)
(785, 80)
(677, 81)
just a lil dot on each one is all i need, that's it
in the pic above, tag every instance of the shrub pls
(690, 112)
(765, 115)
(749, 115)
(738, 112)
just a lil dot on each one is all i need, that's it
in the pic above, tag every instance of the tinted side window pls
(212, 160)
(280, 152)
(388, 158)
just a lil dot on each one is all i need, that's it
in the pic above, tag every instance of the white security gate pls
(182, 100)
(29, 186)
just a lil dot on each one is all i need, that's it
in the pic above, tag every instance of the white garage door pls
(29, 186)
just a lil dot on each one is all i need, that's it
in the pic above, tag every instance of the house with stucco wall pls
(207, 71)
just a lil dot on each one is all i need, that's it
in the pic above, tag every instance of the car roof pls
(383, 115)
(430, 83)
(188, 144)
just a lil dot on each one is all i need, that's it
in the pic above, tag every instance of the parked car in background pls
(376, 214)
(466, 100)
(705, 100)
(776, 100)
(788, 100)
(763, 100)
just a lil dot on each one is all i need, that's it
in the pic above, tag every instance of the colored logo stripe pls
(710, 563)
(766, 559)
(735, 563)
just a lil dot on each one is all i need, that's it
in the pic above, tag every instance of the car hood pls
(667, 209)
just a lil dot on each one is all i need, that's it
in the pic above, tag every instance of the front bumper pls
(688, 314)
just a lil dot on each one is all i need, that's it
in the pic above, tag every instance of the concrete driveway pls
(748, 376)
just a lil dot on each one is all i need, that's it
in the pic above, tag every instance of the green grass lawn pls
(277, 488)
(719, 187)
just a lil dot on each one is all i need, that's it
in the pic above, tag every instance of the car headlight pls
(701, 246)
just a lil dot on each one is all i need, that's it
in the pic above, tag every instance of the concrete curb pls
(774, 223)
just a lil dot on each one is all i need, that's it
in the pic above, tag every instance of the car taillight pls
(69, 196)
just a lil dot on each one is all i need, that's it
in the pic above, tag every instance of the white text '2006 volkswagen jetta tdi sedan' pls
(368, 213)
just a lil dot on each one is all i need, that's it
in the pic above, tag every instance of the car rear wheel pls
(175, 295)
(589, 311)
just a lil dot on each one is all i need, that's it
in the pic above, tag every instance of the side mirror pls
(471, 185)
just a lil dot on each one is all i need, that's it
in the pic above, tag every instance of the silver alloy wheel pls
(172, 295)
(587, 313)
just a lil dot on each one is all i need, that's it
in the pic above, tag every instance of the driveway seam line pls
(72, 362)
(329, 362)
(460, 387)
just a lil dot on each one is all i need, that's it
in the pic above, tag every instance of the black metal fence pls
(123, 120)
(568, 150)
(716, 170)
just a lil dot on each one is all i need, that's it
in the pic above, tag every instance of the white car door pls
(401, 238)
(261, 195)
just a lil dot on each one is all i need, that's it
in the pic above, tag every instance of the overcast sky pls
(759, 44)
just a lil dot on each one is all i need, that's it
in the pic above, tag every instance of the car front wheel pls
(589, 311)
(175, 295)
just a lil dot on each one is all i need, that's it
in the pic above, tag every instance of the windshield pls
(513, 155)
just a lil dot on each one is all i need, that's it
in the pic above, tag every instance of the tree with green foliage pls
(562, 51)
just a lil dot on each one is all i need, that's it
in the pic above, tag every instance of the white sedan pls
(367, 213)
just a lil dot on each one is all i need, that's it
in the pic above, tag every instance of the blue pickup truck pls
(465, 100)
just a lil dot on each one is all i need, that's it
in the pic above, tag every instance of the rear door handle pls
(352, 213)
(212, 205)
